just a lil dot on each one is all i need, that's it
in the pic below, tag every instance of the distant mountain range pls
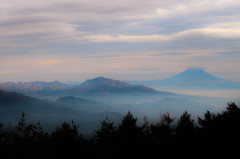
(195, 78)
(94, 99)
(91, 101)
(70, 102)
(189, 79)
(99, 85)
(33, 87)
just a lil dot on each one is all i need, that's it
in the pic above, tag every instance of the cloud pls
(148, 69)
(101, 56)
(228, 25)
(191, 34)
(190, 8)
(169, 53)
(227, 53)
(49, 62)
(68, 20)
(44, 30)
(124, 36)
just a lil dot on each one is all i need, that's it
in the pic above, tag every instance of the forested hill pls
(213, 134)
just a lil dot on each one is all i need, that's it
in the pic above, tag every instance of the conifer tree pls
(185, 127)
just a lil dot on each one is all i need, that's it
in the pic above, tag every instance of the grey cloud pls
(89, 28)
(148, 69)
(227, 53)
(61, 15)
(101, 56)
(170, 53)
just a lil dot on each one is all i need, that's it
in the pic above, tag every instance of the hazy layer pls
(226, 93)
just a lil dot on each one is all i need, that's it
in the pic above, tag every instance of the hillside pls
(86, 113)
(104, 85)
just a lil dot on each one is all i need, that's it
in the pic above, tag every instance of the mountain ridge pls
(98, 85)
(50, 113)
(34, 86)
(107, 85)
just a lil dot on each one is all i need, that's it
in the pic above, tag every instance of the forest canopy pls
(219, 130)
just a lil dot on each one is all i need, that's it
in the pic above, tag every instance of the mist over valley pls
(93, 100)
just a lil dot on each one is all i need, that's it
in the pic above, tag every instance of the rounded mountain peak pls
(105, 82)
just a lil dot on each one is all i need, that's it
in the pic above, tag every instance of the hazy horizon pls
(115, 77)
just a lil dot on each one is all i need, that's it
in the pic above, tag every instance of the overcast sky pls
(74, 40)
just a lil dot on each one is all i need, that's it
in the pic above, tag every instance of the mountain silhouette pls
(99, 85)
(87, 113)
(194, 78)
(81, 104)
(105, 85)
(33, 87)
(194, 74)
(12, 104)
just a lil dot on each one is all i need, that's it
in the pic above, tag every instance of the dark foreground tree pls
(65, 134)
(107, 132)
(128, 129)
(129, 135)
(185, 127)
(163, 130)
(220, 130)
(106, 139)
(66, 141)
(185, 134)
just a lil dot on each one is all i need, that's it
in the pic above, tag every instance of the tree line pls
(214, 133)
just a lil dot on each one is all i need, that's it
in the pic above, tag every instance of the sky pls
(74, 40)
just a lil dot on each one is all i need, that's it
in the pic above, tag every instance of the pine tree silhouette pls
(163, 130)
(185, 127)
(129, 135)
(106, 138)
(215, 134)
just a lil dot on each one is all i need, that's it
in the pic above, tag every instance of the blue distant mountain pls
(195, 78)
(194, 74)
(81, 104)
(94, 99)
(87, 113)
(102, 85)
(35, 87)
(99, 85)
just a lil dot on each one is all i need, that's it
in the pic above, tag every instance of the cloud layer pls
(117, 37)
